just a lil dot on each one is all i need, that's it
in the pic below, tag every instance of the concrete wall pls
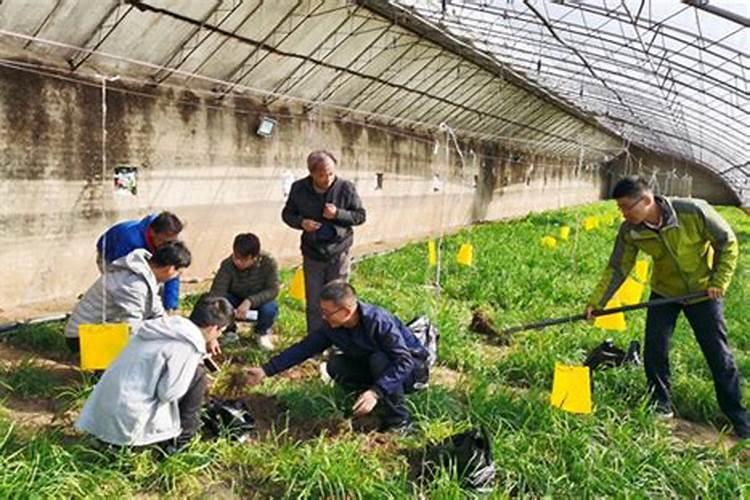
(202, 159)
(704, 184)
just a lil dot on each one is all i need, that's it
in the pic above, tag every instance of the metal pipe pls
(718, 11)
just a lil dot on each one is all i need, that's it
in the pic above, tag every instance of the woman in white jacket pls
(153, 392)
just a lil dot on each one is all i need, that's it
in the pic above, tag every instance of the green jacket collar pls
(668, 213)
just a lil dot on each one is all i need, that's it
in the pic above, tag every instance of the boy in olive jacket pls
(693, 249)
(249, 279)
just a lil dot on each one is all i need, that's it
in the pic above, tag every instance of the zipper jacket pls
(694, 249)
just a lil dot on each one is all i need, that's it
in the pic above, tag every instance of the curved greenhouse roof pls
(670, 76)
(575, 78)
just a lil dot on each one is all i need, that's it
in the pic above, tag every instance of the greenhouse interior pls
(375, 248)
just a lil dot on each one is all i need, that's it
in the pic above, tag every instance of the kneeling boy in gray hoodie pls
(153, 392)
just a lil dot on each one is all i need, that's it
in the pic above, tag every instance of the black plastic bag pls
(469, 453)
(230, 417)
(608, 355)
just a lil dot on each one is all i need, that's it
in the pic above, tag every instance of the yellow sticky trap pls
(564, 233)
(465, 255)
(615, 321)
(590, 223)
(630, 292)
(431, 253)
(101, 344)
(641, 271)
(549, 242)
(571, 389)
(297, 286)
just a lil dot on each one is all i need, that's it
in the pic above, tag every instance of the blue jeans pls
(267, 313)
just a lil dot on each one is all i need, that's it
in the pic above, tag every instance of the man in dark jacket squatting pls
(380, 357)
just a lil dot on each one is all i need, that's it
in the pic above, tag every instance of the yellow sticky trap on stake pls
(564, 233)
(465, 255)
(571, 388)
(615, 321)
(431, 253)
(630, 292)
(641, 271)
(590, 223)
(297, 286)
(101, 344)
(549, 242)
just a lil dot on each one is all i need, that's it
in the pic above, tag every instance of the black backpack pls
(232, 417)
(469, 453)
(428, 335)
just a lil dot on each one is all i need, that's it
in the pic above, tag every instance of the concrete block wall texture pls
(202, 159)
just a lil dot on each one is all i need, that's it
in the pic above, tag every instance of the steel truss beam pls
(216, 16)
(321, 52)
(115, 15)
(280, 32)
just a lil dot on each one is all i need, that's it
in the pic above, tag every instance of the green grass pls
(618, 451)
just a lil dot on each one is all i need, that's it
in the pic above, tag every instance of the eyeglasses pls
(630, 207)
(327, 314)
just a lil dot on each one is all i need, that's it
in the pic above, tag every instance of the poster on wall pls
(126, 180)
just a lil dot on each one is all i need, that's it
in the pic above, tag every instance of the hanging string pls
(261, 92)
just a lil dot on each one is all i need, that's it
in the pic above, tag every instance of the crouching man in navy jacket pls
(380, 357)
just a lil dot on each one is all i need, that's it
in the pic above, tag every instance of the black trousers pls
(190, 406)
(360, 374)
(707, 321)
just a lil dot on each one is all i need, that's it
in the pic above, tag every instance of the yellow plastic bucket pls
(101, 344)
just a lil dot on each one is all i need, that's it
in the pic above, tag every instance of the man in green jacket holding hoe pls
(693, 249)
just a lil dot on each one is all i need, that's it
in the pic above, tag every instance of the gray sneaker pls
(663, 411)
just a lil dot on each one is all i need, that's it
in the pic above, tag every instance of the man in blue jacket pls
(380, 357)
(150, 233)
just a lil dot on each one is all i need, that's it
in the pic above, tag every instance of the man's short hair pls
(211, 310)
(338, 292)
(246, 245)
(632, 186)
(166, 223)
(172, 253)
(317, 157)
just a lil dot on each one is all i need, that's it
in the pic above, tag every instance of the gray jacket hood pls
(136, 262)
(172, 328)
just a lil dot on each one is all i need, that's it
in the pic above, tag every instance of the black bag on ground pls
(232, 417)
(469, 454)
(428, 335)
(608, 355)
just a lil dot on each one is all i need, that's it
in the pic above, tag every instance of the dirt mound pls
(482, 323)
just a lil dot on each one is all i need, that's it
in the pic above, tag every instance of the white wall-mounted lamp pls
(266, 126)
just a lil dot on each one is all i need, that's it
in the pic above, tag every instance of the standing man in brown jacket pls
(325, 208)
(249, 279)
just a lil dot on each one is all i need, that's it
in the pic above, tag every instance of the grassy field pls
(308, 447)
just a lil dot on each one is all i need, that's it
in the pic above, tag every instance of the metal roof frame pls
(612, 51)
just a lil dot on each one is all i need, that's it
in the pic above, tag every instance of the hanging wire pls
(261, 92)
